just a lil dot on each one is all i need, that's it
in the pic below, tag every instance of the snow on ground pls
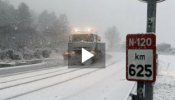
(165, 84)
(23, 66)
(101, 84)
(31, 74)
(23, 78)
(105, 84)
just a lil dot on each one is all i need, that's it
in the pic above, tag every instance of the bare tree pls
(113, 38)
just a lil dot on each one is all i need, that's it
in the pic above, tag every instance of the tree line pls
(22, 30)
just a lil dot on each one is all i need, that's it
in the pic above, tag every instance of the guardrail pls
(26, 62)
(133, 91)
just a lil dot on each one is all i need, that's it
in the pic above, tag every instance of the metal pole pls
(140, 86)
(151, 27)
(151, 16)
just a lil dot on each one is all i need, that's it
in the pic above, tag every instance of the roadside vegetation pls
(25, 34)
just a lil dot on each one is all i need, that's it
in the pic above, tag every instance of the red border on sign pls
(152, 47)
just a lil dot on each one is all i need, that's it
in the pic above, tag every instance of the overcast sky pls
(129, 16)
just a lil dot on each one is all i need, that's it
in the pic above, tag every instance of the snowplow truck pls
(88, 41)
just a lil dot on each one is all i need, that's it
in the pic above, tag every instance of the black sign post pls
(141, 61)
(151, 27)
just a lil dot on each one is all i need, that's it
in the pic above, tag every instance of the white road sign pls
(141, 57)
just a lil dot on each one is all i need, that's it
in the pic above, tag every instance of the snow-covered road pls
(61, 83)
(69, 84)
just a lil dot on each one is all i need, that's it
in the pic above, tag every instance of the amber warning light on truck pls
(77, 30)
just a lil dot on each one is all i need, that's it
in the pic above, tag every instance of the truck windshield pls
(82, 38)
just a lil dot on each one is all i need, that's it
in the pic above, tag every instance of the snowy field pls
(165, 84)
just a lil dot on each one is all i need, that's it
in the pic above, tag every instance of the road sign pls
(141, 57)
